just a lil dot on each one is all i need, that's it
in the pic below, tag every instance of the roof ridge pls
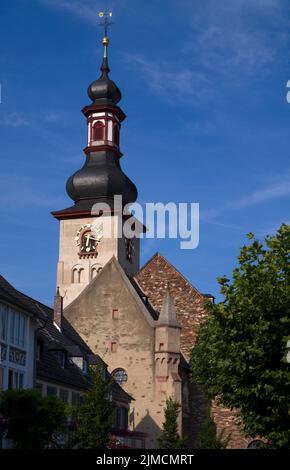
(25, 295)
(149, 261)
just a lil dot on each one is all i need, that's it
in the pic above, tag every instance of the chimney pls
(58, 309)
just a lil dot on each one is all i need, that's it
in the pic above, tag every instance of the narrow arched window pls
(98, 131)
(94, 273)
(75, 276)
(81, 275)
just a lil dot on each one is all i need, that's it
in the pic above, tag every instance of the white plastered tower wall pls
(75, 272)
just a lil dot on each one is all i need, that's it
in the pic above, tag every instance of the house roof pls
(48, 368)
(68, 340)
(9, 294)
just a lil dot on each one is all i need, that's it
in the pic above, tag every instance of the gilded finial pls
(106, 15)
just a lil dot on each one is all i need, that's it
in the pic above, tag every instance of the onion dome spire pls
(101, 176)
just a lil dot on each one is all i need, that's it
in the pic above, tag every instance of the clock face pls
(88, 243)
(88, 238)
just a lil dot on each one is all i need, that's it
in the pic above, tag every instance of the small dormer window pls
(60, 357)
(81, 363)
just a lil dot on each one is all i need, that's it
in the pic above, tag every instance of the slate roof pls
(49, 369)
(11, 295)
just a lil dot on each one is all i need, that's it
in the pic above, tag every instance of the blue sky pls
(204, 89)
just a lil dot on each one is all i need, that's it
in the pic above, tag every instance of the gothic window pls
(98, 131)
(120, 375)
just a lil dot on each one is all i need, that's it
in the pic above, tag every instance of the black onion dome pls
(100, 179)
(104, 90)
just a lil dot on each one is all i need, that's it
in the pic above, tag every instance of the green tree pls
(169, 438)
(240, 351)
(96, 415)
(33, 420)
(207, 437)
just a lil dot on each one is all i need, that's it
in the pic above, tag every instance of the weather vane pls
(106, 15)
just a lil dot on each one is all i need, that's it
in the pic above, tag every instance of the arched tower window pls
(96, 268)
(94, 273)
(81, 275)
(98, 131)
(77, 274)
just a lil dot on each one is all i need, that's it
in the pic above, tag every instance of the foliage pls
(207, 437)
(241, 348)
(169, 438)
(96, 415)
(33, 420)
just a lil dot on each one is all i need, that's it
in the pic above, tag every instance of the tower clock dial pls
(88, 237)
(89, 243)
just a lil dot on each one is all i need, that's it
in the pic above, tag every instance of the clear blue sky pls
(204, 89)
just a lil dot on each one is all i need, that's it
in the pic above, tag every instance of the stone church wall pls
(123, 339)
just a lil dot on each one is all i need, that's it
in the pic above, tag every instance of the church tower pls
(89, 238)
